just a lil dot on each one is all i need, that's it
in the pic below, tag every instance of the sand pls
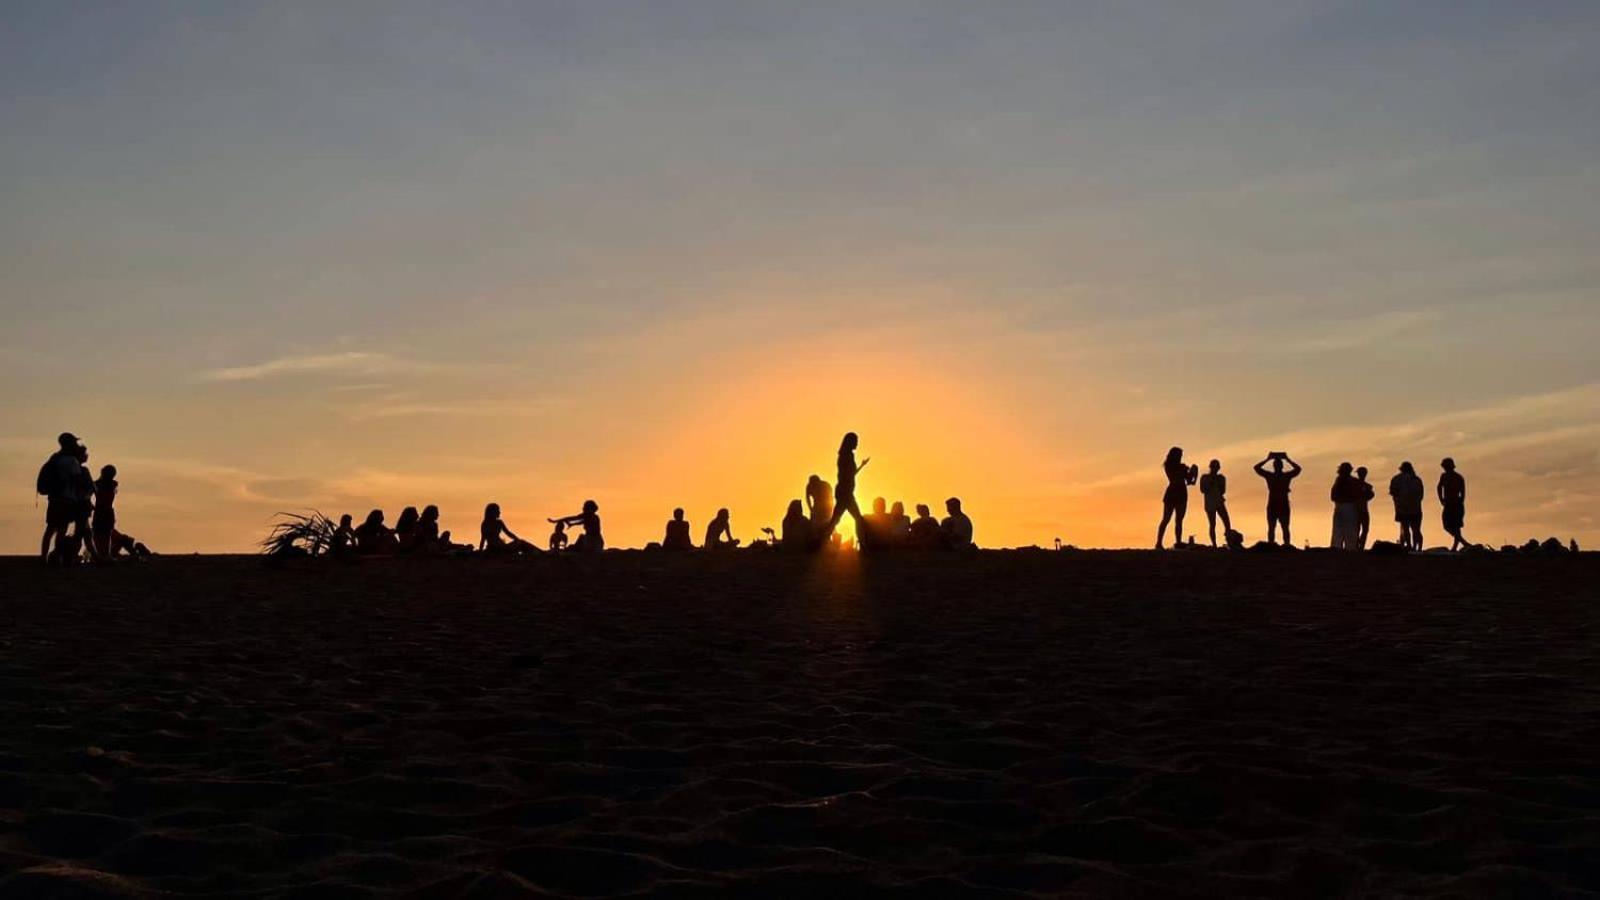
(1128, 724)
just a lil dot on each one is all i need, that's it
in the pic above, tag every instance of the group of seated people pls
(417, 534)
(884, 528)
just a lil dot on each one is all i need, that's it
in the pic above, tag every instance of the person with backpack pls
(59, 481)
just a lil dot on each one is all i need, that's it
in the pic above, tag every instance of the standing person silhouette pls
(844, 489)
(1345, 493)
(59, 482)
(819, 501)
(1175, 502)
(105, 512)
(1214, 488)
(1278, 492)
(1452, 491)
(1363, 510)
(1407, 490)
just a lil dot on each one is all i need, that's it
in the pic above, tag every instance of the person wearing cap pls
(59, 481)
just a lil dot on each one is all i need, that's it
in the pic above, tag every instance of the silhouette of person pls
(1363, 510)
(428, 538)
(876, 535)
(925, 528)
(59, 482)
(1345, 494)
(677, 537)
(899, 524)
(495, 538)
(405, 528)
(1278, 486)
(797, 528)
(1175, 502)
(719, 534)
(373, 538)
(81, 530)
(343, 539)
(1214, 488)
(1407, 490)
(591, 541)
(105, 512)
(819, 501)
(558, 538)
(1452, 491)
(844, 489)
(956, 527)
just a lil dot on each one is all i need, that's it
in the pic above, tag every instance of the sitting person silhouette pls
(405, 528)
(1407, 490)
(819, 501)
(925, 528)
(719, 534)
(558, 538)
(1175, 502)
(342, 541)
(373, 538)
(844, 489)
(1278, 492)
(876, 533)
(899, 524)
(677, 537)
(1345, 494)
(591, 541)
(956, 527)
(1452, 491)
(1214, 489)
(797, 528)
(495, 538)
(428, 539)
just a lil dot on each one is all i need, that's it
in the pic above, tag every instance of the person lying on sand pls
(373, 538)
(495, 539)
(591, 541)
(719, 534)
(957, 528)
(677, 537)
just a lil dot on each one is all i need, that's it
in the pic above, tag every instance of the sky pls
(344, 255)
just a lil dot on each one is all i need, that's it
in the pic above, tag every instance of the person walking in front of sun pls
(844, 487)
(1278, 481)
(1452, 491)
(1214, 488)
(1175, 502)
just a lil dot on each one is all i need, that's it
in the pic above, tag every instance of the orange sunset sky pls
(361, 255)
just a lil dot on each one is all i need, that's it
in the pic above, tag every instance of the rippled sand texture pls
(1110, 723)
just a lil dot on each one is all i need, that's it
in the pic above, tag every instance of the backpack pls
(49, 482)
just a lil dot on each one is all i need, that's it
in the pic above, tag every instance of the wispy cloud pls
(363, 363)
(1364, 332)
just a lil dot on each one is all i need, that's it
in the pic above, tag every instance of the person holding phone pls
(1175, 502)
(1278, 480)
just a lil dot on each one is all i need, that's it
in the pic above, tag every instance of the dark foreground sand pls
(1105, 724)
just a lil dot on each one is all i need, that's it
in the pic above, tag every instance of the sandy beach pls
(1004, 724)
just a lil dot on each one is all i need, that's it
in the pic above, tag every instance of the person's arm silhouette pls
(862, 465)
(1261, 467)
(1294, 467)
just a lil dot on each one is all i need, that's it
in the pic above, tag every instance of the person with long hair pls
(495, 538)
(591, 541)
(373, 538)
(104, 522)
(844, 487)
(719, 534)
(405, 529)
(796, 528)
(1175, 502)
